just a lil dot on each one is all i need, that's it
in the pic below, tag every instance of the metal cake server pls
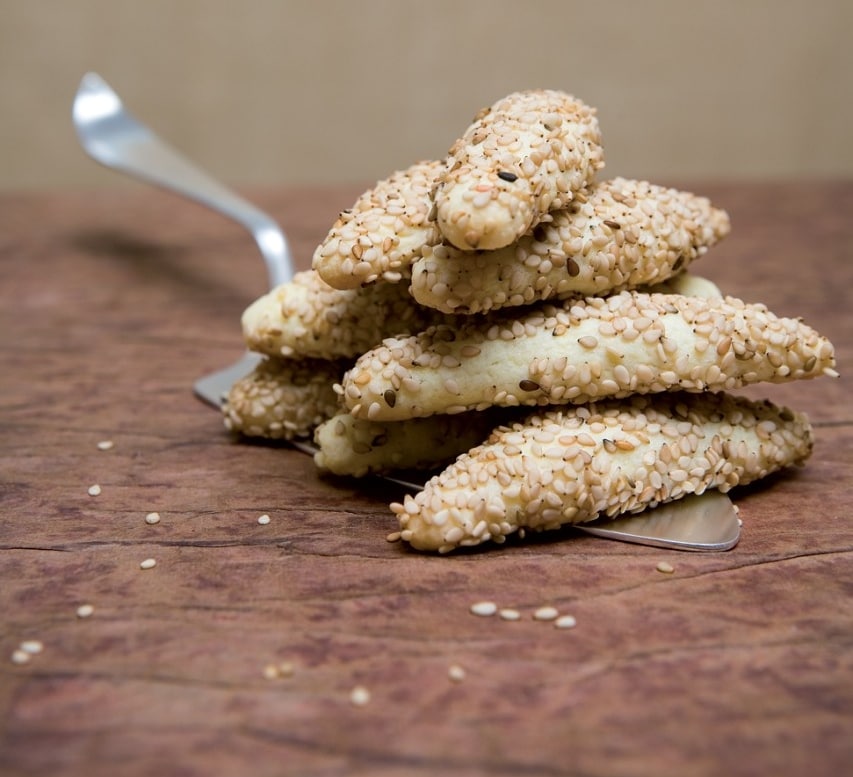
(113, 137)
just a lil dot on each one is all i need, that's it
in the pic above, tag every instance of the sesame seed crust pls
(620, 234)
(358, 447)
(628, 343)
(576, 464)
(283, 399)
(526, 155)
(308, 318)
(382, 232)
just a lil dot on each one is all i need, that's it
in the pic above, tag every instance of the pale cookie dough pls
(383, 231)
(627, 343)
(357, 447)
(620, 235)
(576, 464)
(308, 318)
(283, 399)
(525, 156)
(687, 284)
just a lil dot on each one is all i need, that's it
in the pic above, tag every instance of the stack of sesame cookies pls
(505, 315)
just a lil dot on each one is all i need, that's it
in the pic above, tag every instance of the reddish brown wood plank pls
(737, 663)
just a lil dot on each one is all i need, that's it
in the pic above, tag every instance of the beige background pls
(265, 93)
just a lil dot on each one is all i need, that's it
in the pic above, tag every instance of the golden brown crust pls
(628, 343)
(308, 318)
(575, 464)
(384, 230)
(283, 399)
(526, 155)
(621, 234)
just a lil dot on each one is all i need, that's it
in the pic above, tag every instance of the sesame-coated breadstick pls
(308, 318)
(358, 447)
(627, 343)
(620, 235)
(385, 228)
(576, 464)
(283, 399)
(525, 156)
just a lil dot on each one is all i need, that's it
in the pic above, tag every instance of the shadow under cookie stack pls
(528, 331)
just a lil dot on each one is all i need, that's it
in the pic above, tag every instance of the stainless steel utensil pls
(113, 137)
(697, 522)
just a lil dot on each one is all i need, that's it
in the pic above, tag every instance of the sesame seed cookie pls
(628, 343)
(308, 318)
(377, 238)
(283, 399)
(576, 464)
(526, 155)
(621, 234)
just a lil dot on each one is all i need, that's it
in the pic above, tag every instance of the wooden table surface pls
(113, 303)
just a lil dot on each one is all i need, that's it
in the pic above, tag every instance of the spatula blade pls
(706, 522)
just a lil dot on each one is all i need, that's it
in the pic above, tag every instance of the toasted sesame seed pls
(484, 608)
(546, 613)
(148, 563)
(85, 611)
(105, 445)
(281, 669)
(20, 656)
(394, 536)
(264, 519)
(152, 518)
(94, 490)
(359, 696)
(456, 673)
(565, 622)
(665, 567)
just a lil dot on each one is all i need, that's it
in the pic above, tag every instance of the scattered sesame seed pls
(665, 567)
(359, 696)
(264, 519)
(152, 518)
(85, 610)
(394, 536)
(456, 673)
(508, 614)
(484, 608)
(149, 563)
(31, 647)
(565, 622)
(105, 445)
(546, 613)
(276, 671)
(94, 490)
(20, 657)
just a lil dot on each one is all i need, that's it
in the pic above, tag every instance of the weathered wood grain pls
(737, 663)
